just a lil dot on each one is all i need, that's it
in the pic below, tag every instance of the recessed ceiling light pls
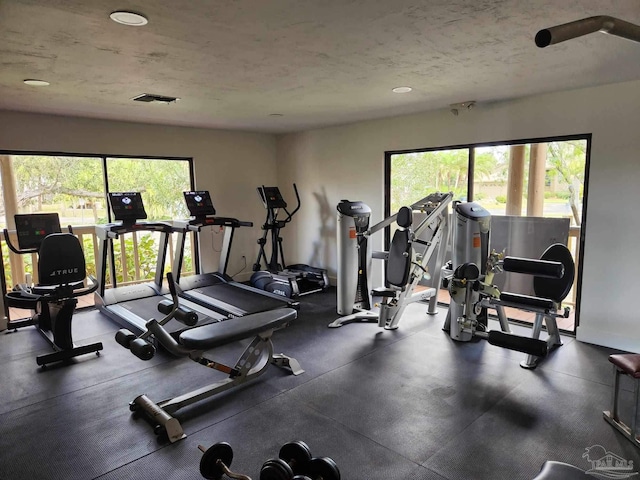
(36, 83)
(129, 18)
(402, 90)
(276, 115)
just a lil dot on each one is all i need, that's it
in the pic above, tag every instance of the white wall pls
(228, 164)
(347, 162)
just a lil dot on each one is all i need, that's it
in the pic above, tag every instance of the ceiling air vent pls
(151, 98)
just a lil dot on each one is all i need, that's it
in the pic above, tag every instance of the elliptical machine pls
(292, 280)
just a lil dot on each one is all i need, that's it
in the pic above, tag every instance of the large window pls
(75, 187)
(536, 185)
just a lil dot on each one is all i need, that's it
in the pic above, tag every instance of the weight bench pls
(192, 343)
(625, 364)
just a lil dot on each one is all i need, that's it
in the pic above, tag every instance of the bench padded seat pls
(220, 333)
(629, 363)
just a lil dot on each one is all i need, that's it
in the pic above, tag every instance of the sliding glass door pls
(534, 189)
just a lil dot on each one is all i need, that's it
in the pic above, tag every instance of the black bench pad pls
(218, 334)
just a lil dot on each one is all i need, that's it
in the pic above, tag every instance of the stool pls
(561, 471)
(625, 364)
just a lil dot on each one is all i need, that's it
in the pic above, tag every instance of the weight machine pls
(469, 278)
(410, 251)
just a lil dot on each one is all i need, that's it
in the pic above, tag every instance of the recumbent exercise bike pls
(61, 274)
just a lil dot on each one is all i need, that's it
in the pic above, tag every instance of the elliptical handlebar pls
(290, 215)
(262, 190)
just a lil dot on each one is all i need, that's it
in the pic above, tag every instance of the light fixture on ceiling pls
(456, 107)
(276, 115)
(130, 19)
(401, 89)
(153, 98)
(36, 83)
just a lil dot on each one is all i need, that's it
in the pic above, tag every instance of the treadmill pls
(132, 306)
(217, 290)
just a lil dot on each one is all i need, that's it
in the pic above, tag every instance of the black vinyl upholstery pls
(399, 262)
(61, 260)
(405, 217)
(217, 334)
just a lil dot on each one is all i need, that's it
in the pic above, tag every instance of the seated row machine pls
(469, 281)
(193, 343)
(61, 275)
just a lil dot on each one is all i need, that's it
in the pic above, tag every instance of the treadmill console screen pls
(33, 227)
(199, 203)
(271, 197)
(127, 206)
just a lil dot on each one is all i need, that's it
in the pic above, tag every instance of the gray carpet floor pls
(403, 404)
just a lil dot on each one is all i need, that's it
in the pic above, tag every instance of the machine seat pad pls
(384, 292)
(629, 363)
(561, 471)
(527, 300)
(220, 333)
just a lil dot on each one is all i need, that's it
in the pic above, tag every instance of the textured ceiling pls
(234, 63)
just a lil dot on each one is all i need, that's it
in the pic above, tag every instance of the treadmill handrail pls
(112, 230)
(207, 221)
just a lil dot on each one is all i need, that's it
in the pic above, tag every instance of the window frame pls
(471, 147)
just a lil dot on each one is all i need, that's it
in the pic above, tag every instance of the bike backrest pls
(61, 260)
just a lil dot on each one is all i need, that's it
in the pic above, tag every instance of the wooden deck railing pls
(19, 267)
(87, 236)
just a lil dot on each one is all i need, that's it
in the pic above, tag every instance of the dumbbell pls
(216, 460)
(293, 459)
(295, 463)
(322, 468)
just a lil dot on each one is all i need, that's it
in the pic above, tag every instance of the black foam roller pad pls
(527, 301)
(539, 268)
(531, 346)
